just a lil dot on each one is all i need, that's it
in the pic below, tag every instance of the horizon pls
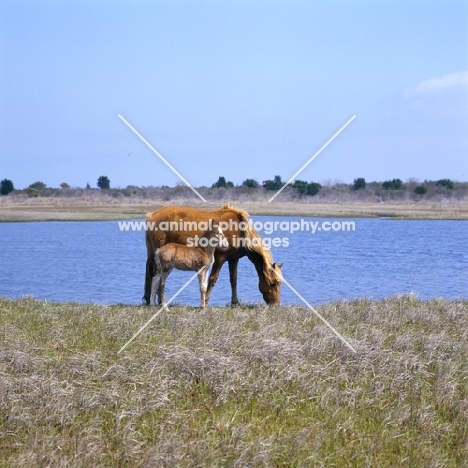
(324, 183)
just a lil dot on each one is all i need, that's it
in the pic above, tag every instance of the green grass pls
(248, 386)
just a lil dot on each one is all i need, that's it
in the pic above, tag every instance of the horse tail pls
(150, 270)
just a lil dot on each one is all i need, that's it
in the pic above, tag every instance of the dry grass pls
(242, 387)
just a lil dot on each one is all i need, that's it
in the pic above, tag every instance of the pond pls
(98, 262)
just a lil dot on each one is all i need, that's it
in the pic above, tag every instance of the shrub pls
(274, 184)
(6, 186)
(445, 183)
(359, 183)
(32, 192)
(251, 183)
(64, 186)
(300, 186)
(38, 186)
(420, 190)
(103, 182)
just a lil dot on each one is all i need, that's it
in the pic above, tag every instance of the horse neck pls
(258, 262)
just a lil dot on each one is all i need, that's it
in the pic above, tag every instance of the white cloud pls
(438, 83)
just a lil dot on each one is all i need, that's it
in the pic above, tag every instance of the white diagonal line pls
(320, 317)
(158, 312)
(160, 157)
(312, 158)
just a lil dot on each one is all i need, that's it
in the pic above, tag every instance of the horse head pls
(222, 241)
(270, 284)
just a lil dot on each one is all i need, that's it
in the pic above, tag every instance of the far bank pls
(108, 208)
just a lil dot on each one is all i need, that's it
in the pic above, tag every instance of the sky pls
(240, 89)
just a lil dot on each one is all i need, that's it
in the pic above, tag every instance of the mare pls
(185, 258)
(177, 224)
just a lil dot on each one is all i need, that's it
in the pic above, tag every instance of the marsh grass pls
(242, 387)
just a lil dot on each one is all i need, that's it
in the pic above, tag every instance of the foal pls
(186, 258)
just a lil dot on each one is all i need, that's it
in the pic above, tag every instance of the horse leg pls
(233, 278)
(214, 275)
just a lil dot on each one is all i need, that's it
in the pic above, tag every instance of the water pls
(96, 262)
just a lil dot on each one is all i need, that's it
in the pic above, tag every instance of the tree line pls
(33, 190)
(302, 187)
(312, 188)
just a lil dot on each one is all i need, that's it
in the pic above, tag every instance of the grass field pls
(245, 387)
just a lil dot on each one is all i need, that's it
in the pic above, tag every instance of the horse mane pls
(270, 274)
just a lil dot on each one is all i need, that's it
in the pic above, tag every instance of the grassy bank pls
(100, 207)
(249, 386)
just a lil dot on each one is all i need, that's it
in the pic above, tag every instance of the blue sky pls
(243, 89)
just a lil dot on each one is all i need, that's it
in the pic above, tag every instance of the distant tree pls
(313, 188)
(220, 183)
(395, 184)
(229, 184)
(300, 186)
(64, 186)
(251, 183)
(420, 190)
(274, 184)
(103, 182)
(6, 186)
(445, 183)
(38, 186)
(359, 183)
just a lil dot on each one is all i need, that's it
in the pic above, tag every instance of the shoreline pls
(79, 210)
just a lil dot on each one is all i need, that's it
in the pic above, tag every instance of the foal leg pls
(155, 288)
(164, 274)
(202, 284)
(203, 281)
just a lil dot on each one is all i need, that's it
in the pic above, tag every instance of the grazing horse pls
(182, 257)
(175, 224)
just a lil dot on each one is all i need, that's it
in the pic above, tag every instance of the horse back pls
(182, 257)
(185, 217)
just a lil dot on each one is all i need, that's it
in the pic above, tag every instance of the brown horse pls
(180, 224)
